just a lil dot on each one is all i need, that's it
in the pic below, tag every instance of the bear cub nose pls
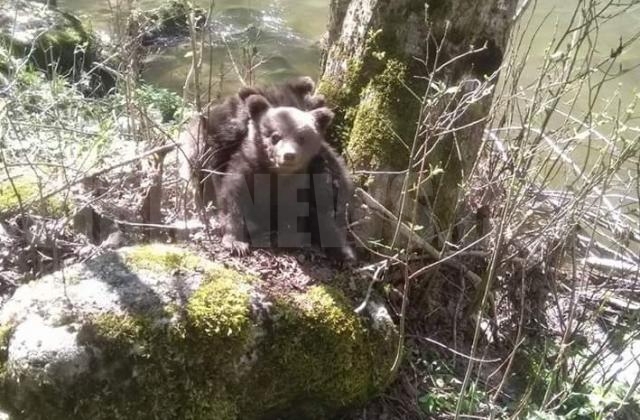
(289, 157)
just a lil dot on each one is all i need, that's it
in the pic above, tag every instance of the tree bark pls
(380, 56)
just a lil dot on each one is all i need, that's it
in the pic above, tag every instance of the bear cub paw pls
(237, 247)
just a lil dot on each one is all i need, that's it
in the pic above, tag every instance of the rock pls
(167, 24)
(157, 332)
(55, 42)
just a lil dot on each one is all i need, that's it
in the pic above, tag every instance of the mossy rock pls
(168, 23)
(157, 332)
(23, 194)
(55, 42)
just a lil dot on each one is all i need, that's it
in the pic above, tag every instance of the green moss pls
(119, 332)
(26, 192)
(220, 309)
(176, 370)
(170, 19)
(181, 369)
(219, 357)
(376, 110)
(165, 258)
(173, 16)
(382, 123)
(345, 96)
(64, 38)
(69, 43)
(161, 258)
(153, 369)
(318, 352)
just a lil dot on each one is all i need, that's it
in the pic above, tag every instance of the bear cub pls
(209, 141)
(271, 170)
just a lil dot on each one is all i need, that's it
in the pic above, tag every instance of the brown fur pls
(209, 141)
(295, 93)
(262, 191)
(270, 159)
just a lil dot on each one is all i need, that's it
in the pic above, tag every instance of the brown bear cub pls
(274, 178)
(209, 141)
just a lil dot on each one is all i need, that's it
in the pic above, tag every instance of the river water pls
(286, 34)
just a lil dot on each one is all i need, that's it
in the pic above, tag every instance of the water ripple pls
(238, 24)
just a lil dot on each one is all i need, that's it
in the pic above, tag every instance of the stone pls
(54, 41)
(157, 331)
(169, 23)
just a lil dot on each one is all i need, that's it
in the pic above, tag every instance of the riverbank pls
(82, 174)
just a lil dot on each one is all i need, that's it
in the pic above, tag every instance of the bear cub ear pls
(323, 117)
(302, 85)
(247, 91)
(257, 105)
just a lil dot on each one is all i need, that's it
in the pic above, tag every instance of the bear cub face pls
(209, 141)
(289, 137)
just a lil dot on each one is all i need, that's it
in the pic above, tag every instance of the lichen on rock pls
(157, 331)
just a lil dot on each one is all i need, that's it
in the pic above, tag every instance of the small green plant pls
(571, 399)
(165, 101)
(443, 393)
(593, 403)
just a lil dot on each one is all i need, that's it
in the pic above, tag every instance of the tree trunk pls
(380, 57)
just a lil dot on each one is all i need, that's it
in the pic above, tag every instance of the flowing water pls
(287, 36)
(285, 33)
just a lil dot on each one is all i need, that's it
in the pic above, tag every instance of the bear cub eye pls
(275, 137)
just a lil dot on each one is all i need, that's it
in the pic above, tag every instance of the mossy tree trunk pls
(379, 59)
